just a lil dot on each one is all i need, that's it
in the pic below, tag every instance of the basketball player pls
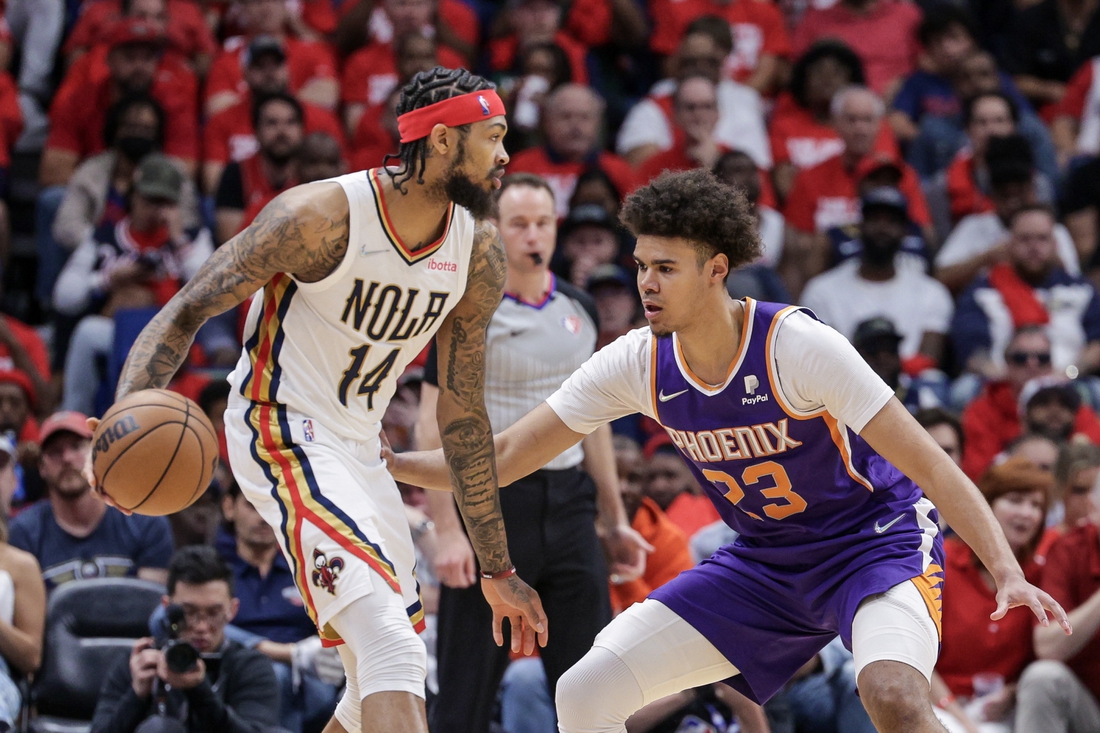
(802, 449)
(357, 274)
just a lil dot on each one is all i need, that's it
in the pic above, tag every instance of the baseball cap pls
(609, 275)
(1043, 389)
(885, 197)
(875, 328)
(157, 177)
(65, 421)
(876, 162)
(129, 31)
(22, 380)
(587, 215)
(263, 46)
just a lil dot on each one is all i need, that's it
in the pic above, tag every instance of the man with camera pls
(197, 681)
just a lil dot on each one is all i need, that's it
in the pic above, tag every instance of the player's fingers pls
(528, 640)
(515, 627)
(641, 542)
(498, 635)
(1057, 611)
(1002, 609)
(92, 423)
(468, 571)
(535, 615)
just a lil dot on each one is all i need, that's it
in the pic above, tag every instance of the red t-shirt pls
(11, 118)
(799, 139)
(502, 54)
(827, 195)
(963, 193)
(757, 25)
(229, 134)
(589, 21)
(92, 68)
(691, 512)
(258, 191)
(972, 643)
(1080, 90)
(31, 342)
(79, 112)
(187, 30)
(562, 176)
(306, 61)
(371, 142)
(884, 38)
(370, 73)
(1072, 575)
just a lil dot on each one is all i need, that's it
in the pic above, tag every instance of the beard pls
(458, 188)
(880, 253)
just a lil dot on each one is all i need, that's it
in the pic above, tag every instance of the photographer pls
(139, 262)
(228, 689)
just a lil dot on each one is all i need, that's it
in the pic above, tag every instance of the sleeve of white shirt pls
(645, 124)
(816, 367)
(959, 246)
(1066, 251)
(937, 308)
(612, 384)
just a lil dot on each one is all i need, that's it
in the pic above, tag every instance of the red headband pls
(460, 110)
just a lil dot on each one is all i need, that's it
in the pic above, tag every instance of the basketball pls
(154, 452)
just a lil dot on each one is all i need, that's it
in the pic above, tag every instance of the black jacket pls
(240, 695)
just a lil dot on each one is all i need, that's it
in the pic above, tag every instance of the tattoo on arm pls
(304, 231)
(464, 424)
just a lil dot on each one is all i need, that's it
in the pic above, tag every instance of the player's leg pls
(646, 653)
(385, 663)
(895, 642)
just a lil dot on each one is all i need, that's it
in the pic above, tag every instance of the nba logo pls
(572, 324)
(307, 430)
(751, 383)
(484, 105)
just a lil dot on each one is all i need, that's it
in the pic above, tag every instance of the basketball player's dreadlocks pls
(428, 87)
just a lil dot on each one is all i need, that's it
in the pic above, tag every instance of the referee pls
(556, 518)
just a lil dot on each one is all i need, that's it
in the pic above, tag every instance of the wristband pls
(500, 575)
(945, 701)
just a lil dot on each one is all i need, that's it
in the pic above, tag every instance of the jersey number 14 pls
(371, 381)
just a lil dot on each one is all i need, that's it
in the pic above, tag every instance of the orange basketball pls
(154, 452)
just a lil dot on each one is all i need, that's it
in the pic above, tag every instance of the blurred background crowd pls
(925, 178)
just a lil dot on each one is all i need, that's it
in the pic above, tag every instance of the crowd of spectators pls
(925, 178)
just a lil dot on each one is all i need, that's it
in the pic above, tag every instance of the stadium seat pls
(90, 626)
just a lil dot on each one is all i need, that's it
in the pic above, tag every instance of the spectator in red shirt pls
(1061, 692)
(572, 118)
(17, 403)
(992, 420)
(312, 65)
(827, 195)
(189, 36)
(672, 487)
(650, 127)
(248, 186)
(229, 135)
(1076, 125)
(801, 129)
(541, 68)
(975, 650)
(1075, 473)
(760, 40)
(375, 70)
(377, 135)
(78, 115)
(695, 109)
(882, 32)
(985, 116)
(536, 21)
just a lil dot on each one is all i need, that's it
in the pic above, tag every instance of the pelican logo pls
(326, 571)
(484, 105)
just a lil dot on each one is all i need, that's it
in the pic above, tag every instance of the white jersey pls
(333, 350)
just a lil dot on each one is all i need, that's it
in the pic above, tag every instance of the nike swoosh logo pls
(891, 523)
(513, 334)
(666, 397)
(364, 252)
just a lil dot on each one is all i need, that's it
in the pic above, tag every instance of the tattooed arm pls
(468, 440)
(304, 231)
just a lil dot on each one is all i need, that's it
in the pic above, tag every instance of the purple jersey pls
(824, 521)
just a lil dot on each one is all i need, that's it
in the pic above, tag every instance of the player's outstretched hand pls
(626, 552)
(512, 599)
(1018, 592)
(89, 474)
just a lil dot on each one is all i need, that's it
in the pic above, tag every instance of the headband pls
(460, 110)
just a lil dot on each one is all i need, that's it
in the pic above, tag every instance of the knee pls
(397, 660)
(597, 694)
(1046, 678)
(895, 702)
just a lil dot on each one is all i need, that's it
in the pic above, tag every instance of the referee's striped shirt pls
(531, 348)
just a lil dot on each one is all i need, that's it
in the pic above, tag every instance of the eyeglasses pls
(215, 615)
(1021, 358)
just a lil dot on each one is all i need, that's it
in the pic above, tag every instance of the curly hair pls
(841, 52)
(695, 205)
(429, 87)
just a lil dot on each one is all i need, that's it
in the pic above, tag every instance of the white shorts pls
(336, 511)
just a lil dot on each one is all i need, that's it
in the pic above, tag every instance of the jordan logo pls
(326, 571)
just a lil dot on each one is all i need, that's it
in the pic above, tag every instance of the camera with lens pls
(179, 655)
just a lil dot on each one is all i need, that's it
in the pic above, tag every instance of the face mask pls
(135, 148)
